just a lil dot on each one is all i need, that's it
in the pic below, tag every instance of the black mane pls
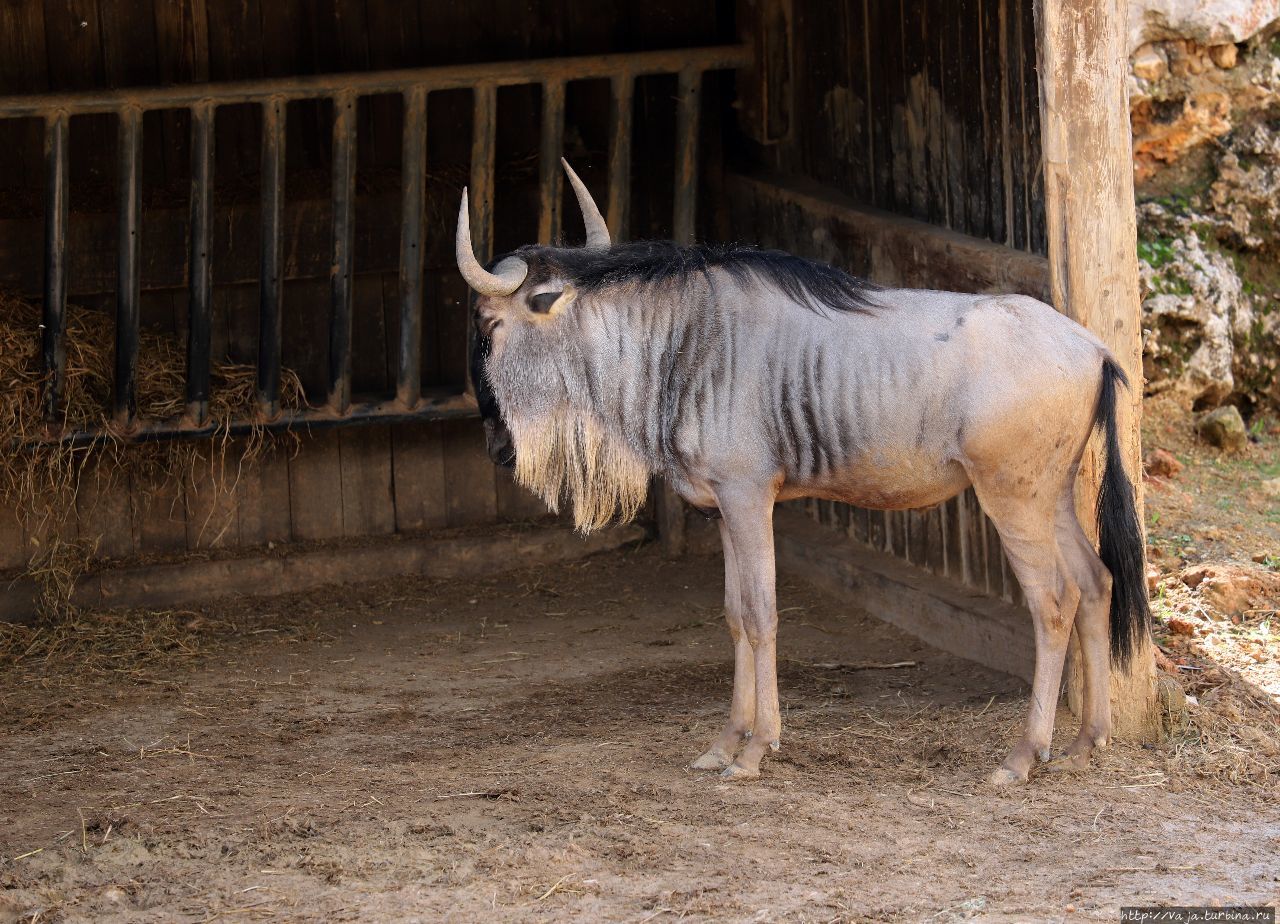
(807, 282)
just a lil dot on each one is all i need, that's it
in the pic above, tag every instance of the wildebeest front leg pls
(742, 712)
(748, 517)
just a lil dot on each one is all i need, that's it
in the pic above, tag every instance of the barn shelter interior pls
(270, 187)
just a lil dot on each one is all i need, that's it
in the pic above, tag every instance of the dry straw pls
(42, 478)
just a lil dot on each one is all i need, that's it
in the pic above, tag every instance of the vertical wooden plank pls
(953, 524)
(550, 174)
(911, 114)
(211, 500)
(1036, 231)
(264, 503)
(994, 557)
(878, 78)
(973, 119)
(104, 510)
(413, 204)
(12, 548)
(993, 72)
(618, 200)
(1015, 130)
(417, 462)
(160, 513)
(72, 30)
(958, 53)
(938, 19)
(935, 539)
(855, 137)
(515, 502)
(315, 487)
(470, 490)
(368, 508)
(234, 32)
(877, 530)
(182, 56)
(24, 68)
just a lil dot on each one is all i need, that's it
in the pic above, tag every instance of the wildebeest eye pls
(542, 303)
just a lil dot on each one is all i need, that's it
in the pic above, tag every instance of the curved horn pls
(510, 272)
(597, 230)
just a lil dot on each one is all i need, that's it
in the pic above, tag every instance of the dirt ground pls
(515, 749)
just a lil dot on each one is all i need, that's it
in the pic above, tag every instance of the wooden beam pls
(1092, 235)
(446, 555)
(793, 212)
(956, 619)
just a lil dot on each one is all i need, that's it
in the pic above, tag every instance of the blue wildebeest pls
(746, 376)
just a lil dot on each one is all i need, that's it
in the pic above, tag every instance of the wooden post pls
(1092, 235)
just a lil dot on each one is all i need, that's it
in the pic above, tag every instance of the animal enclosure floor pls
(515, 749)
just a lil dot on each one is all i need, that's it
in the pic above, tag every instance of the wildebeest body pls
(745, 377)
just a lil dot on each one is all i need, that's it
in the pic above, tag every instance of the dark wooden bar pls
(618, 203)
(271, 284)
(413, 205)
(199, 284)
(445, 77)
(484, 131)
(341, 278)
(129, 165)
(688, 108)
(550, 176)
(53, 345)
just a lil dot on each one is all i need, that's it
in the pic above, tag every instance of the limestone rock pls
(1233, 589)
(1161, 463)
(1193, 305)
(1224, 428)
(1209, 22)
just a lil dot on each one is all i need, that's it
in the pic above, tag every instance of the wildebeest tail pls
(1119, 532)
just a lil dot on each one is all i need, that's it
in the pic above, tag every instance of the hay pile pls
(41, 478)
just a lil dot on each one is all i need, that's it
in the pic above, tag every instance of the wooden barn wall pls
(929, 109)
(360, 481)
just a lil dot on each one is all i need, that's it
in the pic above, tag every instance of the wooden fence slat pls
(417, 462)
(368, 508)
(315, 487)
(263, 495)
(470, 486)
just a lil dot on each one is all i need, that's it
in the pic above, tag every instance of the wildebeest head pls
(535, 414)
(509, 299)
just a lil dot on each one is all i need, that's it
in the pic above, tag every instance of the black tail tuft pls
(1119, 532)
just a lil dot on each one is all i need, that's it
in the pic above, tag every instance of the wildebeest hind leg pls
(1027, 532)
(1094, 581)
(743, 709)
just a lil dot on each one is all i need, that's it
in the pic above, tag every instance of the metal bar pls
(618, 203)
(54, 311)
(199, 324)
(435, 406)
(550, 176)
(270, 286)
(483, 135)
(497, 74)
(684, 223)
(413, 168)
(341, 278)
(124, 402)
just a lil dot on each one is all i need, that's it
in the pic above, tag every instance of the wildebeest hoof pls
(1067, 763)
(1003, 776)
(738, 772)
(712, 760)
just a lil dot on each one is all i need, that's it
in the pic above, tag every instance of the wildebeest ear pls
(542, 303)
(552, 303)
